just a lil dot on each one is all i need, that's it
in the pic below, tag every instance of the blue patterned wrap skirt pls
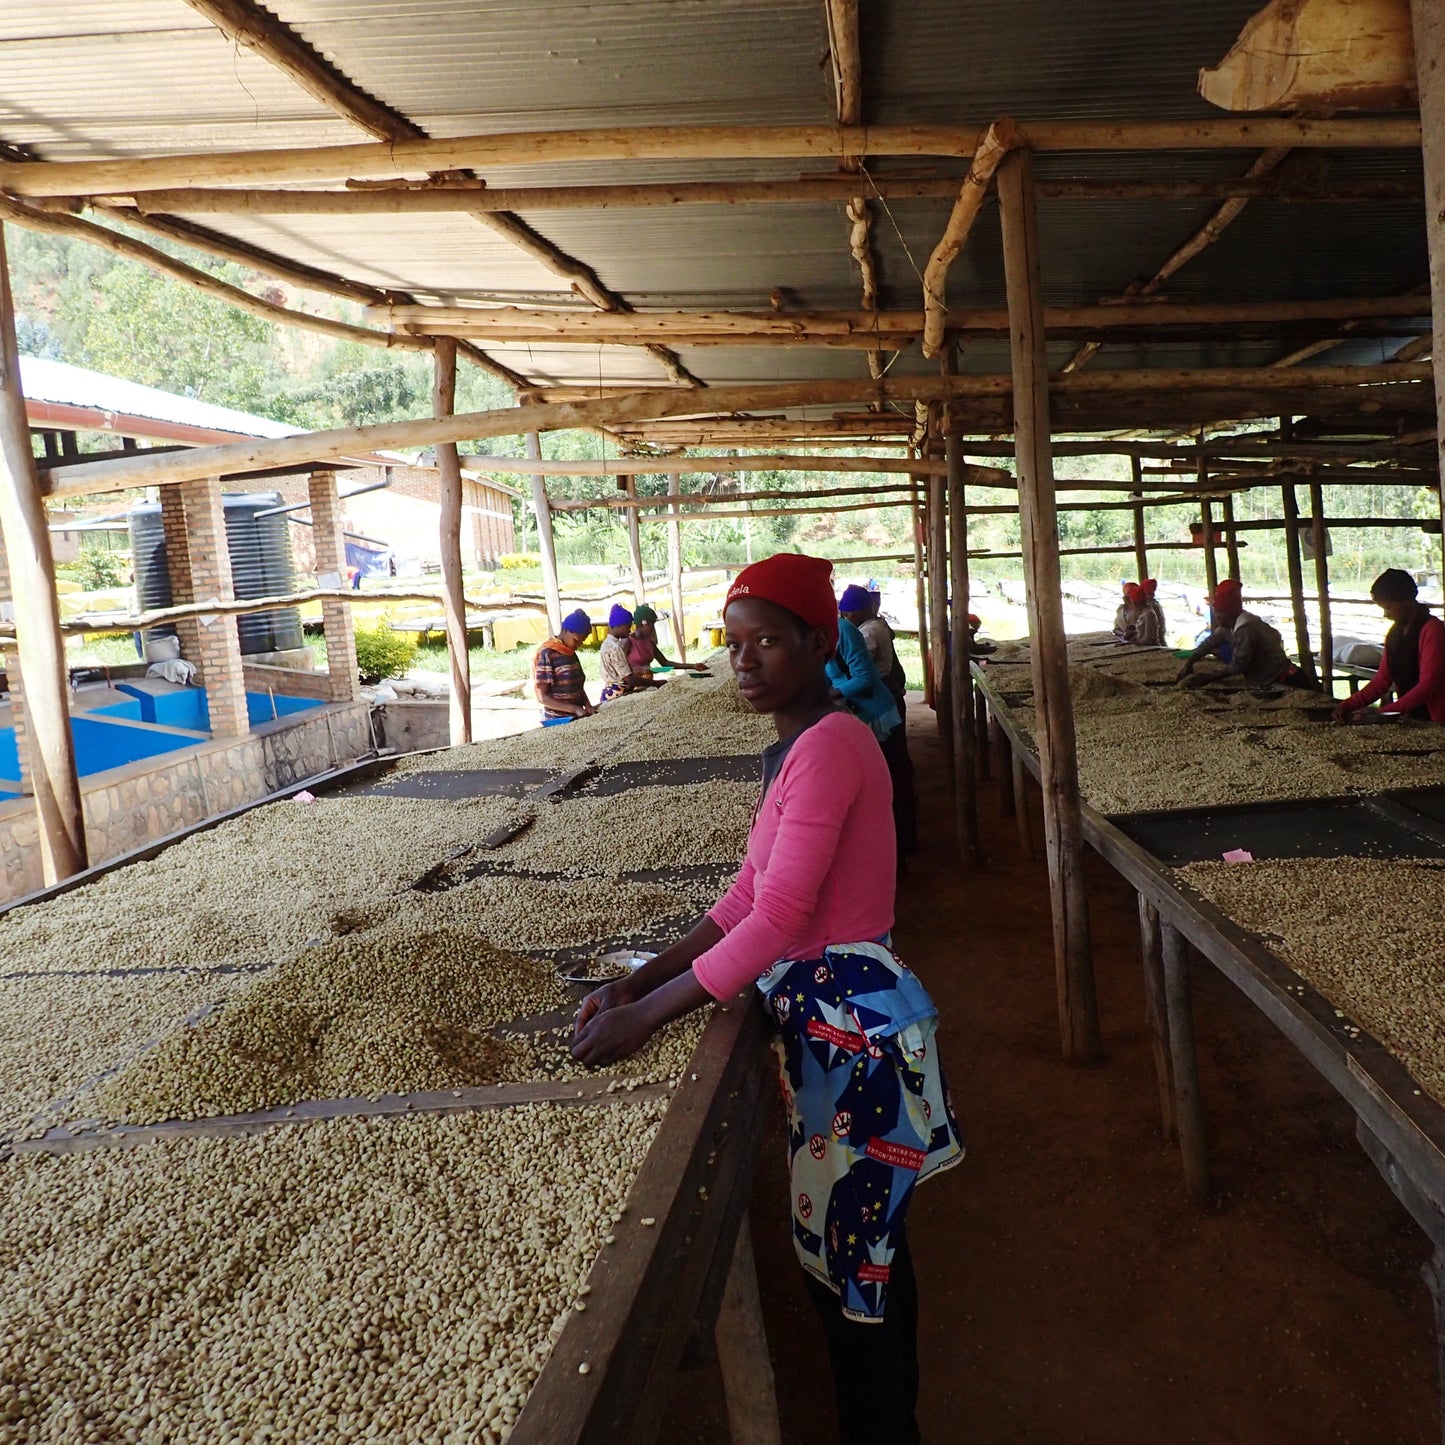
(869, 1114)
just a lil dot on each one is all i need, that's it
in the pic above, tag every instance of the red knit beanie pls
(804, 585)
(1150, 586)
(1133, 593)
(1228, 594)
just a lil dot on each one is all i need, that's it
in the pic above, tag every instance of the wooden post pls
(343, 679)
(920, 584)
(545, 544)
(1006, 802)
(1211, 562)
(1320, 542)
(40, 661)
(1156, 1018)
(938, 611)
(1063, 814)
(982, 736)
(634, 547)
(1231, 541)
(454, 604)
(1296, 582)
(674, 570)
(1428, 17)
(1020, 790)
(1141, 549)
(965, 779)
(742, 1351)
(1188, 1108)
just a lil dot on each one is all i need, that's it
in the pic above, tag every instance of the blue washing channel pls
(142, 728)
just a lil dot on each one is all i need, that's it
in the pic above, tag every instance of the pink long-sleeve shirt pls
(819, 868)
(1428, 693)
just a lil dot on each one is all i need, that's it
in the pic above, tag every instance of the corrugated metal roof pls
(89, 78)
(57, 381)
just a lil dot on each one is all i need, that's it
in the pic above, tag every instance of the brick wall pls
(200, 568)
(330, 546)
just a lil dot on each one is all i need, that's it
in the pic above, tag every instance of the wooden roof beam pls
(863, 328)
(408, 198)
(1257, 390)
(320, 164)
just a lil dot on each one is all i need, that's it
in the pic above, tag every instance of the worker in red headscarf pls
(1149, 624)
(1254, 649)
(808, 924)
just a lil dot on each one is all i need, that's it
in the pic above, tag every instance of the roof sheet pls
(58, 381)
(91, 78)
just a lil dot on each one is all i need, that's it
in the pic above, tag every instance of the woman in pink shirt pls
(808, 921)
(1413, 667)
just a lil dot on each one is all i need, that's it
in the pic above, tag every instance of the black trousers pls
(875, 1366)
(900, 770)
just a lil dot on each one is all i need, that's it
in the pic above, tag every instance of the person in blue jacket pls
(857, 683)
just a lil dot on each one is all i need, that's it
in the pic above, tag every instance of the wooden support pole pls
(1020, 792)
(1156, 1017)
(454, 603)
(742, 1351)
(545, 543)
(965, 776)
(938, 613)
(1320, 545)
(1188, 1106)
(1063, 813)
(1231, 539)
(920, 586)
(982, 736)
(1428, 18)
(25, 533)
(674, 572)
(1006, 802)
(634, 547)
(1141, 547)
(1211, 561)
(1303, 645)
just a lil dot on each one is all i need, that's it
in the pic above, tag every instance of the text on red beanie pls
(804, 585)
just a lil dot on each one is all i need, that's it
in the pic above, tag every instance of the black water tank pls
(260, 548)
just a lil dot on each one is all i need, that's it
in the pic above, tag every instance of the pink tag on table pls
(1239, 855)
(303, 797)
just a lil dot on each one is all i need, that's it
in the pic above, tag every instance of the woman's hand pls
(1184, 672)
(609, 1033)
(1342, 713)
(617, 994)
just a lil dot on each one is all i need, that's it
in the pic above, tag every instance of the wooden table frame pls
(1399, 1125)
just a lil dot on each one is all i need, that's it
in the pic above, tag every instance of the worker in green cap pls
(642, 646)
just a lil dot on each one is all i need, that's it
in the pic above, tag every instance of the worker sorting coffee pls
(1140, 619)
(642, 649)
(1413, 666)
(557, 674)
(1250, 648)
(851, 671)
(806, 929)
(614, 658)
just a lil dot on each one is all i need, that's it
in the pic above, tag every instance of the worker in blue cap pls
(617, 674)
(860, 607)
(557, 671)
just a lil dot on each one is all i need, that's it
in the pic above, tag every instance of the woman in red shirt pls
(808, 922)
(1413, 666)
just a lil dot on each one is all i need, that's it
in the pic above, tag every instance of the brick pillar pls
(10, 664)
(200, 568)
(343, 681)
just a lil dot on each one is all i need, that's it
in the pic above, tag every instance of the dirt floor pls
(1070, 1292)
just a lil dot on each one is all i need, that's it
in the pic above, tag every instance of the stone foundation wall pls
(411, 727)
(129, 807)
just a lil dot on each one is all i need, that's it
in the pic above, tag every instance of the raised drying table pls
(1398, 1124)
(679, 1270)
